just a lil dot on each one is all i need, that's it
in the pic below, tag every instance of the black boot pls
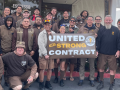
(55, 80)
(111, 87)
(92, 83)
(26, 89)
(10, 89)
(100, 86)
(62, 83)
(80, 83)
(114, 83)
(41, 86)
(48, 85)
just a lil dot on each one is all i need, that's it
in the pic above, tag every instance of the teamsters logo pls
(90, 41)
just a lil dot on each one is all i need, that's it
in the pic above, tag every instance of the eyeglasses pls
(72, 20)
(97, 19)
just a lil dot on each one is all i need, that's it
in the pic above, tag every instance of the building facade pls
(74, 7)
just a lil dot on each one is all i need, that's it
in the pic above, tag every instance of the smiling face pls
(90, 21)
(8, 23)
(7, 11)
(72, 22)
(54, 11)
(26, 14)
(108, 22)
(20, 51)
(98, 20)
(62, 29)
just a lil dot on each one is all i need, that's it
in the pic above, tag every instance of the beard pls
(108, 26)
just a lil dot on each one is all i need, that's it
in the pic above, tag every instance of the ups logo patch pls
(112, 33)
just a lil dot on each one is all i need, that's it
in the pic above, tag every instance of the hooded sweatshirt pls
(6, 33)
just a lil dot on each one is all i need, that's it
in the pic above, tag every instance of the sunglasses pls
(47, 20)
(72, 20)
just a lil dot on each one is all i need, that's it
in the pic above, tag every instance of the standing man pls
(7, 12)
(79, 22)
(26, 14)
(44, 61)
(65, 20)
(54, 24)
(1, 72)
(38, 27)
(108, 47)
(88, 28)
(6, 33)
(71, 28)
(54, 14)
(17, 71)
(36, 13)
(84, 14)
(25, 33)
(98, 20)
(18, 14)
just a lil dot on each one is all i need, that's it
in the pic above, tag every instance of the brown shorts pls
(71, 61)
(103, 59)
(46, 64)
(17, 80)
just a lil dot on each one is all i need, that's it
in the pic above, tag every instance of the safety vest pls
(30, 36)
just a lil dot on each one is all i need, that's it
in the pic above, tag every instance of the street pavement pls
(72, 85)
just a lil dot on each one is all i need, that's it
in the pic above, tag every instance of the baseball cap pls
(72, 18)
(25, 11)
(20, 44)
(47, 21)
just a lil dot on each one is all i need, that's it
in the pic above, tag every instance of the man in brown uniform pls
(44, 61)
(7, 12)
(88, 28)
(108, 47)
(17, 71)
(1, 72)
(25, 33)
(6, 33)
(38, 27)
(18, 14)
(26, 14)
(84, 14)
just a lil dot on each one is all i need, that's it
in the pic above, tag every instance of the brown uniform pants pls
(17, 80)
(103, 59)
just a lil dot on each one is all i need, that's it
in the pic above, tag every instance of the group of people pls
(23, 48)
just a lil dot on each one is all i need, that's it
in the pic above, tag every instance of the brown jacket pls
(16, 18)
(3, 23)
(83, 29)
(1, 67)
(6, 38)
(19, 22)
(25, 39)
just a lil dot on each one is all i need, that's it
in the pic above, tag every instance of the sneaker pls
(48, 85)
